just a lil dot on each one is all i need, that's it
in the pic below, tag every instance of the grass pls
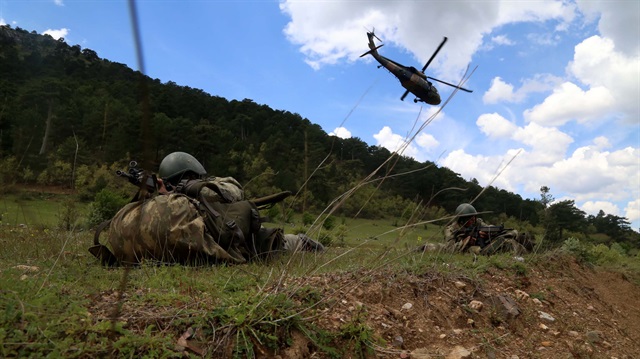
(57, 301)
(35, 209)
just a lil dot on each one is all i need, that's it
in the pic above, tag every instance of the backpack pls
(202, 222)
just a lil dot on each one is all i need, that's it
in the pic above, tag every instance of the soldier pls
(193, 220)
(177, 168)
(471, 233)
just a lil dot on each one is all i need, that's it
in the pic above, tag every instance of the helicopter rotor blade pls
(434, 54)
(404, 95)
(446, 83)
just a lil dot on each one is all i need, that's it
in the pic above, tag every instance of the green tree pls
(564, 216)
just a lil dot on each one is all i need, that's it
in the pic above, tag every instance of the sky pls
(556, 84)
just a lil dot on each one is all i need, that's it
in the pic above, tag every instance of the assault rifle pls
(270, 200)
(138, 178)
(483, 235)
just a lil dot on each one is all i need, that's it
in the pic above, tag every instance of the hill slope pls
(553, 307)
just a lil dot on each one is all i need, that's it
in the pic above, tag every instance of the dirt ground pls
(561, 310)
(549, 309)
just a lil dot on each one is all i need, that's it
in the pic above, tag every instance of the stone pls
(476, 305)
(459, 352)
(546, 316)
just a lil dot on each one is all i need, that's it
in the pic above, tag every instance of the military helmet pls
(178, 164)
(466, 209)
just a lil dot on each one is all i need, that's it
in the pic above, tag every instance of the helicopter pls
(410, 78)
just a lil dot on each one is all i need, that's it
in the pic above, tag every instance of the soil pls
(554, 310)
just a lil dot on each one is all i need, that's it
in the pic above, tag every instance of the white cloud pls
(502, 40)
(632, 211)
(495, 126)
(501, 91)
(417, 149)
(548, 144)
(569, 102)
(601, 142)
(58, 2)
(545, 39)
(330, 31)
(56, 34)
(600, 180)
(618, 20)
(341, 132)
(2, 22)
(612, 89)
(593, 207)
(596, 63)
(426, 141)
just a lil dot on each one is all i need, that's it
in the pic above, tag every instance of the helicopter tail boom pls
(372, 50)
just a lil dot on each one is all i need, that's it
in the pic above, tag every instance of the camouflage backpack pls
(202, 222)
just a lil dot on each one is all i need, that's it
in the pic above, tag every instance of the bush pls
(601, 254)
(307, 219)
(573, 246)
(105, 206)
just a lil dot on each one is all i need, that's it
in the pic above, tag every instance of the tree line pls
(68, 118)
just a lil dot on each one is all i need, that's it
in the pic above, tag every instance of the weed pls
(359, 335)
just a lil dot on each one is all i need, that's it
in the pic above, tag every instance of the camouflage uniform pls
(175, 228)
(510, 240)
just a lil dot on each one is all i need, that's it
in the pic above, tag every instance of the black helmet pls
(177, 165)
(466, 209)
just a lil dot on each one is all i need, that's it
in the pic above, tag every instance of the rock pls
(573, 333)
(546, 316)
(594, 336)
(471, 322)
(521, 295)
(547, 343)
(420, 353)
(543, 327)
(26, 268)
(505, 307)
(398, 341)
(476, 305)
(460, 285)
(396, 313)
(457, 331)
(537, 301)
(442, 336)
(459, 352)
(407, 306)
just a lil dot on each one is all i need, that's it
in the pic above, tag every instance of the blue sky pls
(556, 89)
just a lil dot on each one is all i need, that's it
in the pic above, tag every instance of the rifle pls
(270, 200)
(490, 233)
(138, 178)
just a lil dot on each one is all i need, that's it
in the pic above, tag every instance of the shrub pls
(105, 206)
(601, 254)
(307, 219)
(573, 246)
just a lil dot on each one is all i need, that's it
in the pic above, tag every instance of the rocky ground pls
(561, 309)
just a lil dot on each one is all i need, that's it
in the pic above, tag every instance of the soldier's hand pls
(161, 187)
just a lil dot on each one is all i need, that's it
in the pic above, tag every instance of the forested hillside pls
(65, 113)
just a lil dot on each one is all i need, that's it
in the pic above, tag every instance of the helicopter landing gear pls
(415, 100)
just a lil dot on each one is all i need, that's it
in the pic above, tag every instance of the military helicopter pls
(410, 78)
